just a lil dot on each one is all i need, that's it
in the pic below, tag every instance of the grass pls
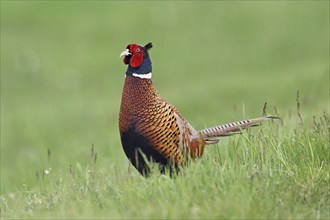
(61, 82)
(269, 174)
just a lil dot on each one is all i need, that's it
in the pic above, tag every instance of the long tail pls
(231, 128)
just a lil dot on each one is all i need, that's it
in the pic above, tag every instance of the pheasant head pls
(137, 59)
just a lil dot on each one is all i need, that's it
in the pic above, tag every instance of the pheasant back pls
(152, 129)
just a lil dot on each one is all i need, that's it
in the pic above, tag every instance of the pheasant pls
(153, 130)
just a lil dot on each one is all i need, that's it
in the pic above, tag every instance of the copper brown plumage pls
(152, 129)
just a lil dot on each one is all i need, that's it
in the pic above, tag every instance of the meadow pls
(61, 84)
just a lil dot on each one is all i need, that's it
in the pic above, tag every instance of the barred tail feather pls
(231, 128)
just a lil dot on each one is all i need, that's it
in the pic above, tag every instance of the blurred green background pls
(61, 76)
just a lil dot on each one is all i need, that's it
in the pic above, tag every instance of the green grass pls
(61, 82)
(272, 173)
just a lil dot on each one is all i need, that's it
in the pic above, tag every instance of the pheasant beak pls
(125, 53)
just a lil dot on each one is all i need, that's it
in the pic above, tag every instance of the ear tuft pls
(148, 46)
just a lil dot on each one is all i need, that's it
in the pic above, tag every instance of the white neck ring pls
(143, 76)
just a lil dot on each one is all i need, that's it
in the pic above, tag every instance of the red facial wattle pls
(136, 59)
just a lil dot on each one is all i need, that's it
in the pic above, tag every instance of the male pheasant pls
(153, 130)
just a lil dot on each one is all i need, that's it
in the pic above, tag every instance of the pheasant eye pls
(137, 50)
